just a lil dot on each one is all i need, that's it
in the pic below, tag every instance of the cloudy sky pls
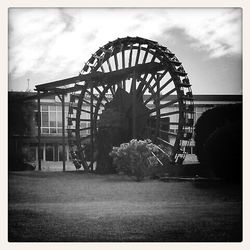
(47, 44)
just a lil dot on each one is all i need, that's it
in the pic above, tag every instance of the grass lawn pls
(78, 207)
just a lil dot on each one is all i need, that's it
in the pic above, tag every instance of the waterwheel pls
(142, 89)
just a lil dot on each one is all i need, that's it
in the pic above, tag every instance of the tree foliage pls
(223, 151)
(21, 123)
(21, 116)
(212, 119)
(218, 139)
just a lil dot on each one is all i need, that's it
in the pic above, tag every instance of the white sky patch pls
(57, 42)
(216, 30)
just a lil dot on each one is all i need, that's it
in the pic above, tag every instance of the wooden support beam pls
(157, 104)
(165, 142)
(163, 105)
(160, 89)
(100, 78)
(39, 130)
(169, 113)
(91, 129)
(63, 131)
(134, 107)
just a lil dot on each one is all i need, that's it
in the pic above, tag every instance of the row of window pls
(48, 152)
(51, 118)
(52, 152)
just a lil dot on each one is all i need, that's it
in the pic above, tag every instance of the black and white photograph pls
(125, 124)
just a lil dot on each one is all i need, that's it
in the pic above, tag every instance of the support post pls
(134, 107)
(91, 129)
(39, 129)
(158, 111)
(63, 131)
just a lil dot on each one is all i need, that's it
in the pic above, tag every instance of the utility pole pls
(28, 80)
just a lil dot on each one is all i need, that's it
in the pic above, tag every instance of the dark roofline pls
(232, 98)
(235, 98)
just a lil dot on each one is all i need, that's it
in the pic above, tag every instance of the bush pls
(223, 152)
(21, 123)
(135, 158)
(211, 120)
(218, 141)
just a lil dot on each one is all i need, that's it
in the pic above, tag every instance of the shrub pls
(223, 151)
(211, 120)
(218, 141)
(135, 158)
(21, 123)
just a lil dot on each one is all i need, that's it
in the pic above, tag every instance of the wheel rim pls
(159, 91)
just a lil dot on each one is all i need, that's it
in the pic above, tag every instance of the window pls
(60, 153)
(45, 108)
(45, 119)
(45, 130)
(52, 130)
(59, 119)
(53, 108)
(51, 119)
(49, 152)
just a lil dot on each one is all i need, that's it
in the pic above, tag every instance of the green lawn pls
(77, 207)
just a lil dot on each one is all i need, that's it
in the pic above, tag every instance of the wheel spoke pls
(123, 67)
(116, 61)
(163, 105)
(109, 65)
(160, 78)
(165, 142)
(168, 133)
(169, 115)
(88, 102)
(99, 91)
(160, 89)
(81, 119)
(130, 56)
(138, 55)
(167, 94)
(82, 110)
(142, 84)
(146, 55)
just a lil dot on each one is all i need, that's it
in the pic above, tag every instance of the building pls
(51, 125)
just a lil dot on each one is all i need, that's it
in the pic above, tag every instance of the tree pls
(21, 123)
(223, 151)
(218, 138)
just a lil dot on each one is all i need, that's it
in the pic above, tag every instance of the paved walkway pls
(51, 166)
(56, 166)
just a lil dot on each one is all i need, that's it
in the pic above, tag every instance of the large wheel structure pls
(156, 87)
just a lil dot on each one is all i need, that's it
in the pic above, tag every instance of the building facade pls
(51, 125)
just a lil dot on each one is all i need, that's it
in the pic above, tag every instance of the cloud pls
(218, 31)
(56, 42)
